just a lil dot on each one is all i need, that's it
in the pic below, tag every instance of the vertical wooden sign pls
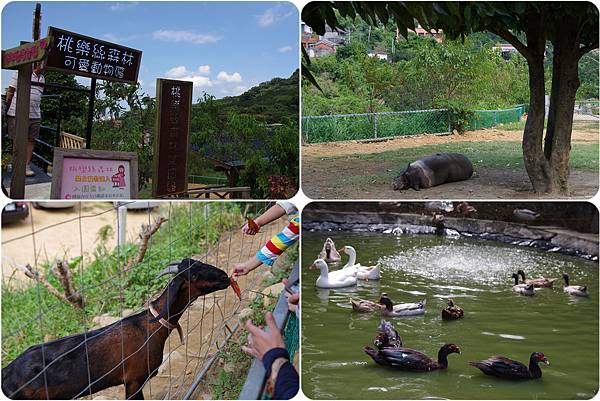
(171, 141)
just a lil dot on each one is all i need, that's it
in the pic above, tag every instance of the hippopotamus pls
(434, 170)
(329, 254)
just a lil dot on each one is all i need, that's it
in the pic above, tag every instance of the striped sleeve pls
(279, 243)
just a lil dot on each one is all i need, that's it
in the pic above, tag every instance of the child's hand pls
(241, 270)
(249, 230)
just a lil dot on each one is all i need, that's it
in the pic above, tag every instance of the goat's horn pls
(171, 269)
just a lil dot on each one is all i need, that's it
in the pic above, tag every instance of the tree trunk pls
(533, 155)
(565, 82)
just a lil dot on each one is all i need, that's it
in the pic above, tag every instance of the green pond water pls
(497, 321)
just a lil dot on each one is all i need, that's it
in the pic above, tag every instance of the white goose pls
(578, 290)
(362, 272)
(335, 279)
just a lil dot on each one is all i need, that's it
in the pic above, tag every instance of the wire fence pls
(342, 127)
(112, 287)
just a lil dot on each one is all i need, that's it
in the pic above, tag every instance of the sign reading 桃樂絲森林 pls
(77, 54)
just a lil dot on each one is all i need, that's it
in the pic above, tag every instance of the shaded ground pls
(364, 170)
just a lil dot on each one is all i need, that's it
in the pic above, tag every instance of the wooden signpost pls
(94, 174)
(21, 59)
(27, 53)
(171, 142)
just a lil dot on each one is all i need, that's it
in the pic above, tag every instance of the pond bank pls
(549, 238)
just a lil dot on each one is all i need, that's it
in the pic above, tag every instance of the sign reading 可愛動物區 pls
(171, 144)
(77, 54)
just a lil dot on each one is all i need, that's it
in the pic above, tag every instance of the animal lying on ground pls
(434, 170)
(127, 352)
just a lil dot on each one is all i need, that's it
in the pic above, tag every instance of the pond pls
(497, 321)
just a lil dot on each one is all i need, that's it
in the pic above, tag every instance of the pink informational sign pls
(95, 179)
(89, 174)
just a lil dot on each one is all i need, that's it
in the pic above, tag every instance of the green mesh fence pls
(343, 127)
(492, 118)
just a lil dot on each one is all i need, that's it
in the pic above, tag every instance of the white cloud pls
(225, 77)
(183, 74)
(177, 72)
(273, 15)
(184, 36)
(124, 5)
(267, 18)
(204, 69)
(285, 49)
(111, 37)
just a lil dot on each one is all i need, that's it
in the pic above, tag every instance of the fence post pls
(122, 217)
(449, 121)
(375, 123)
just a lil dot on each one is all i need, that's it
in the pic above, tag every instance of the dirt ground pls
(487, 183)
(61, 240)
(206, 322)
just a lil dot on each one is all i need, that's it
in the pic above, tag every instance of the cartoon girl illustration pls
(118, 179)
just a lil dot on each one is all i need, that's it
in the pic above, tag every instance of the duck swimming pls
(362, 272)
(505, 368)
(537, 282)
(523, 289)
(329, 254)
(452, 312)
(577, 290)
(334, 279)
(410, 359)
(407, 309)
(364, 306)
(387, 336)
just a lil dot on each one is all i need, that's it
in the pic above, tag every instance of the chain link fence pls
(113, 284)
(342, 127)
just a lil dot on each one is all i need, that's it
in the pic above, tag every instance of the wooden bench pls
(70, 141)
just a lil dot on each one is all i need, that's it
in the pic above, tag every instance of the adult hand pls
(292, 299)
(259, 341)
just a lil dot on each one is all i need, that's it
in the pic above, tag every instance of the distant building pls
(319, 46)
(506, 49)
(380, 56)
(420, 31)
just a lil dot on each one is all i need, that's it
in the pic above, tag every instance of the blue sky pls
(225, 48)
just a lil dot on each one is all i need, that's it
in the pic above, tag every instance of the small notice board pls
(94, 174)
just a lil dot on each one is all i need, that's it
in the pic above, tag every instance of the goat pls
(127, 352)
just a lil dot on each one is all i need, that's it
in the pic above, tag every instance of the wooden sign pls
(171, 142)
(25, 54)
(94, 174)
(77, 54)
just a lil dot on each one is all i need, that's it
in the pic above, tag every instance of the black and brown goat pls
(127, 352)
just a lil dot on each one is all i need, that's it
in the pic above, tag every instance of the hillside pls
(272, 101)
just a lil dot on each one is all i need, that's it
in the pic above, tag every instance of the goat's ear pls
(172, 290)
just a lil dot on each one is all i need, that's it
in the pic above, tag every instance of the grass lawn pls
(500, 155)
